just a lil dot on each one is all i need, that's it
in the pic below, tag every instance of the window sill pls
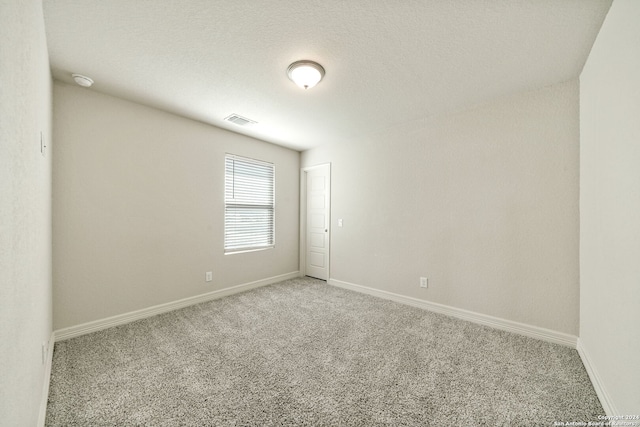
(244, 251)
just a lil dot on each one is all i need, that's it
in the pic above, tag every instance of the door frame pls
(303, 219)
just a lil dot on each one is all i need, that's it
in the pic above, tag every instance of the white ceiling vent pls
(239, 120)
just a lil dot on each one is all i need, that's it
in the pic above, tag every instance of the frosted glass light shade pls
(305, 74)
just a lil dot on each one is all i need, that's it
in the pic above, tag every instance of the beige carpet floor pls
(303, 353)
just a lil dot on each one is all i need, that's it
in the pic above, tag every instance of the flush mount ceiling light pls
(83, 81)
(305, 74)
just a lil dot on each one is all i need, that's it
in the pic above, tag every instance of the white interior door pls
(318, 199)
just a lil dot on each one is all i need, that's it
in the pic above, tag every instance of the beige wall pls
(138, 209)
(25, 210)
(610, 207)
(484, 203)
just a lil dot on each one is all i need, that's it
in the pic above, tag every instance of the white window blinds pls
(249, 199)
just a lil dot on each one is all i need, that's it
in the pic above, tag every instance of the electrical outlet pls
(209, 276)
(424, 282)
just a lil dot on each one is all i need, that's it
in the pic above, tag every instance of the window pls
(248, 204)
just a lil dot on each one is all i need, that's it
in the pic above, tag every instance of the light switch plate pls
(42, 145)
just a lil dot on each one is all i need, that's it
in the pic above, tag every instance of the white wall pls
(484, 203)
(25, 210)
(610, 208)
(139, 207)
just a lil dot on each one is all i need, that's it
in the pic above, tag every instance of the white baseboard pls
(47, 380)
(482, 319)
(605, 399)
(121, 319)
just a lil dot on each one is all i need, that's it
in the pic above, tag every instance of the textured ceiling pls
(388, 63)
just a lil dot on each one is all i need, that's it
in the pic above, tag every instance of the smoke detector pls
(81, 80)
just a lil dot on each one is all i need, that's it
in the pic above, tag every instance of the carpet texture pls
(303, 353)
